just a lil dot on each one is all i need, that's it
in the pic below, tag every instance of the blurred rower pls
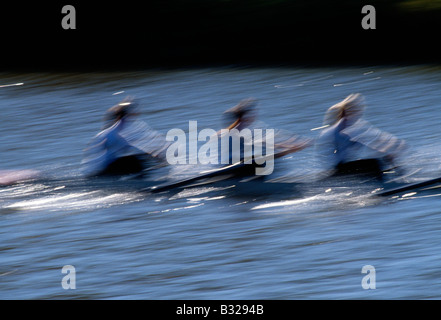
(350, 144)
(126, 145)
(244, 116)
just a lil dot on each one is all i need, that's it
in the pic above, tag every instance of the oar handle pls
(294, 148)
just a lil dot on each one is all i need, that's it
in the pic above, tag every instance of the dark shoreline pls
(192, 33)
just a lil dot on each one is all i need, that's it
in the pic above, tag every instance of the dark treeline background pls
(128, 34)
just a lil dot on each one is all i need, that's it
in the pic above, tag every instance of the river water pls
(125, 243)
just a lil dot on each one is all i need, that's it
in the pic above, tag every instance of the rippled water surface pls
(214, 242)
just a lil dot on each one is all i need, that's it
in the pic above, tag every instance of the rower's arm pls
(292, 145)
(379, 141)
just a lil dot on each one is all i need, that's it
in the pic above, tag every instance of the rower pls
(126, 145)
(243, 116)
(350, 144)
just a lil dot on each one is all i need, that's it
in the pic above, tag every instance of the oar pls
(227, 169)
(11, 85)
(408, 187)
(203, 175)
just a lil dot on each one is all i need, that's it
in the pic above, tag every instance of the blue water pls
(208, 243)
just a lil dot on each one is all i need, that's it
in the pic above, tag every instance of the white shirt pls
(124, 138)
(348, 140)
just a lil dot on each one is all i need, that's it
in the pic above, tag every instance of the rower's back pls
(351, 145)
(127, 145)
